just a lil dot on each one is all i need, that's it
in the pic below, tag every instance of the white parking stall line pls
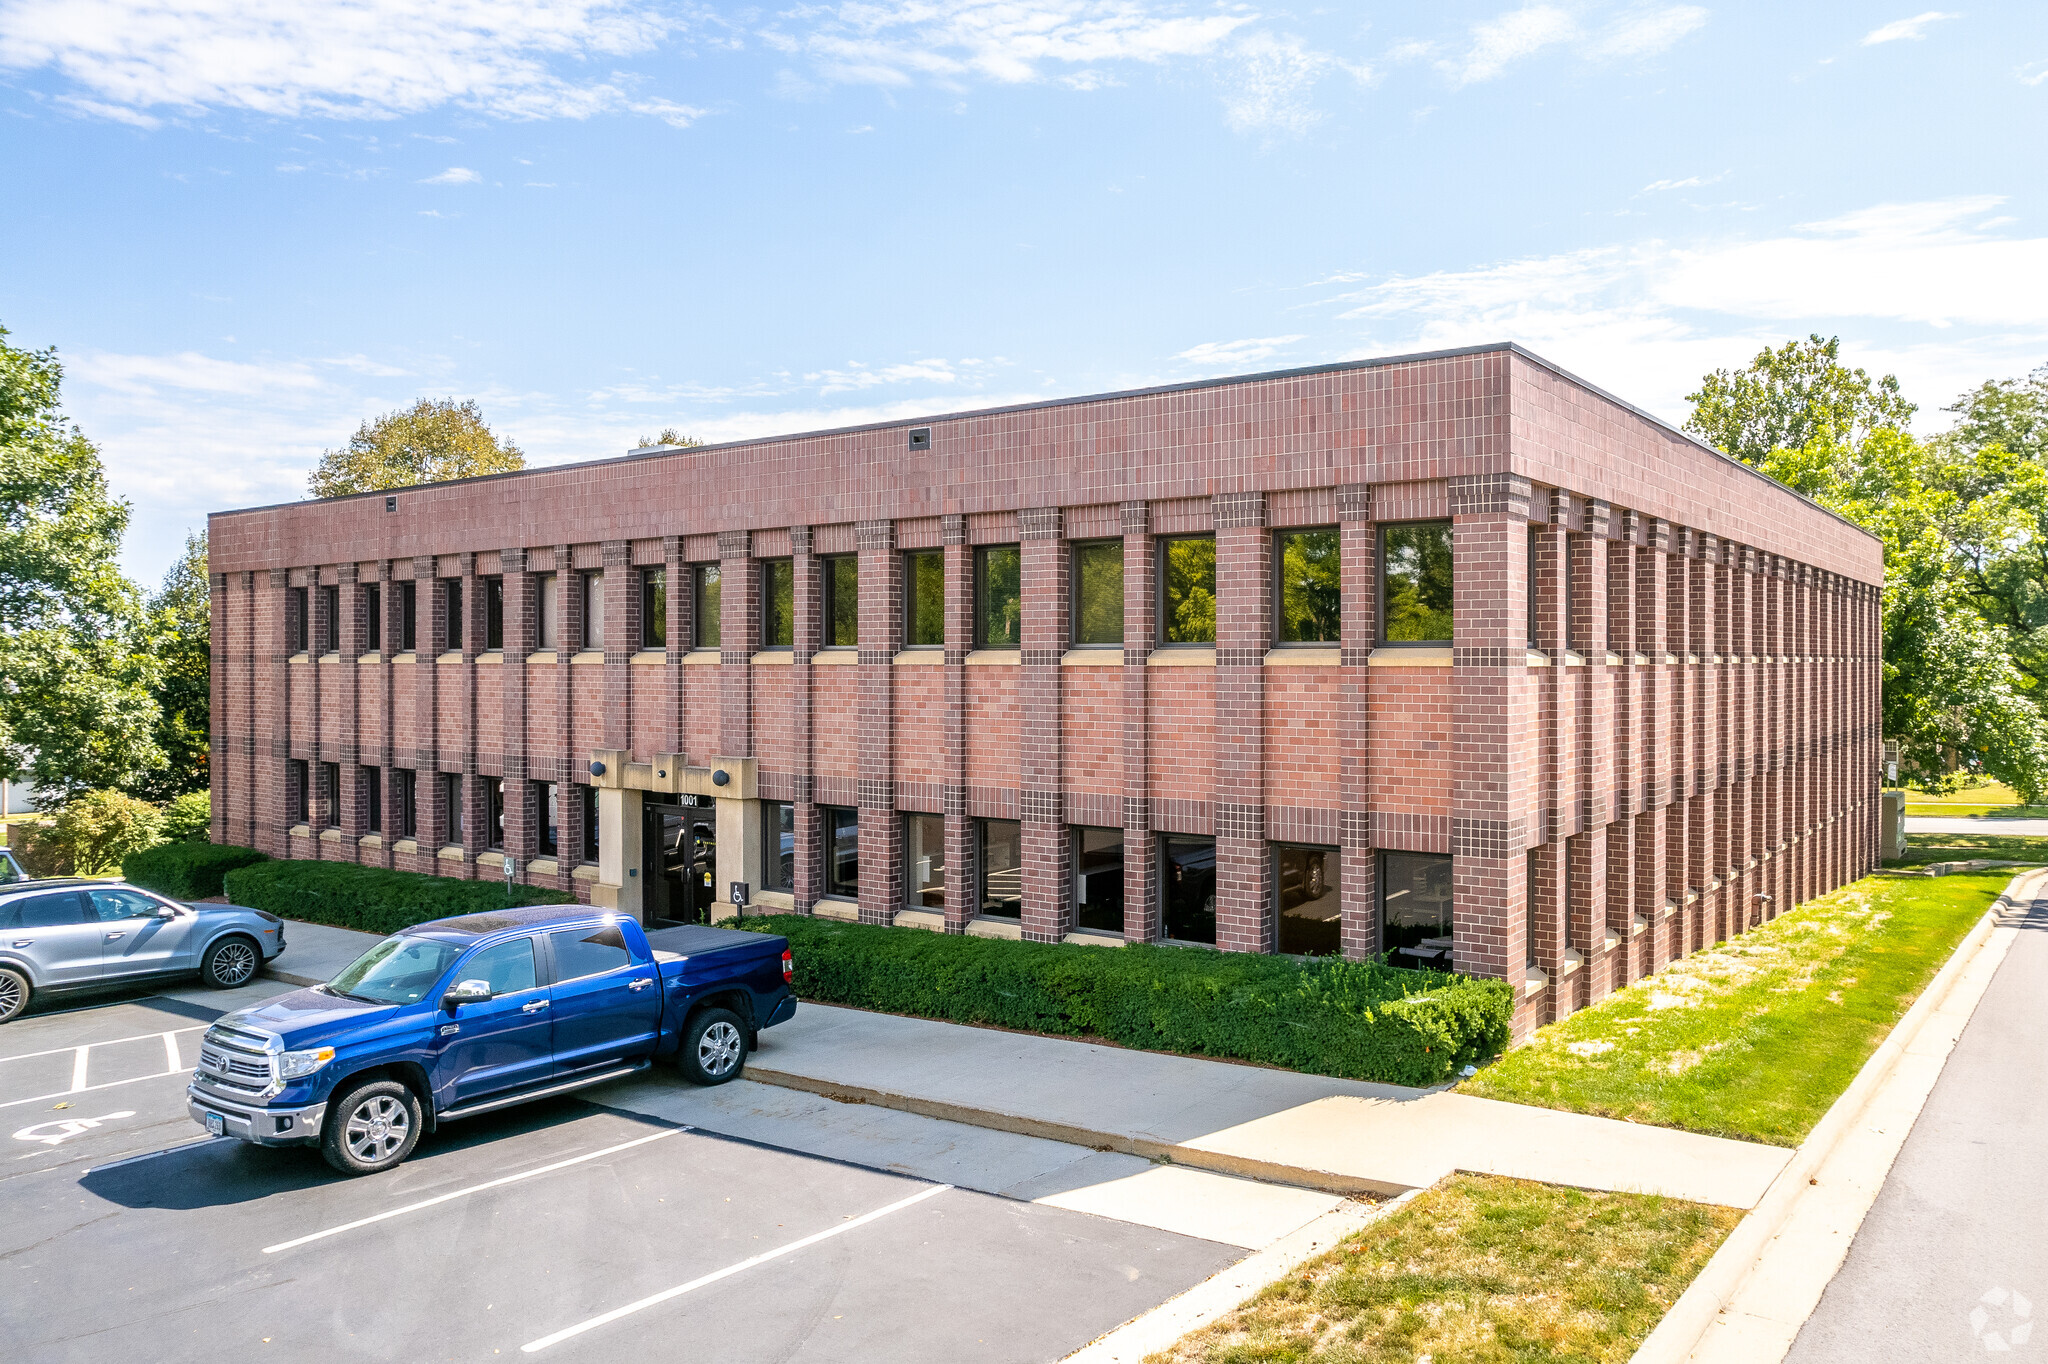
(110, 1042)
(474, 1188)
(656, 1299)
(78, 1068)
(171, 1051)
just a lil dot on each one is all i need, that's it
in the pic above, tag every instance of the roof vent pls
(390, 504)
(920, 438)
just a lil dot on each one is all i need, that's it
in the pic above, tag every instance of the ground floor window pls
(296, 779)
(373, 800)
(451, 806)
(1002, 868)
(590, 830)
(1099, 879)
(1415, 908)
(840, 828)
(1305, 880)
(494, 812)
(546, 800)
(405, 792)
(330, 795)
(1187, 887)
(778, 845)
(924, 861)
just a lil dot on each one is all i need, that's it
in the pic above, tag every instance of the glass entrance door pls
(679, 860)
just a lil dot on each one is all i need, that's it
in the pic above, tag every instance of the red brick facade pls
(1687, 745)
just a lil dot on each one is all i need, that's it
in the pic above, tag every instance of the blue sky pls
(246, 230)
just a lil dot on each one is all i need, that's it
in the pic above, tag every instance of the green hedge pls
(370, 898)
(187, 871)
(1361, 1020)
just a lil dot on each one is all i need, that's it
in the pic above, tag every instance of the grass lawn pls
(1988, 799)
(1479, 1268)
(1755, 1037)
(1966, 847)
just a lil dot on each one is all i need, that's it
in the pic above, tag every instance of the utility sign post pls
(510, 872)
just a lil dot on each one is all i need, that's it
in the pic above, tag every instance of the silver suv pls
(57, 936)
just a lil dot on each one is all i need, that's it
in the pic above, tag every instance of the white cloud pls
(1914, 28)
(893, 42)
(1275, 76)
(1648, 31)
(1497, 43)
(188, 371)
(1957, 304)
(858, 376)
(355, 59)
(1509, 38)
(1227, 355)
(454, 175)
(1689, 182)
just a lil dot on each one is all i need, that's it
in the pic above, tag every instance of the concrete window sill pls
(588, 656)
(301, 656)
(543, 866)
(491, 656)
(1534, 982)
(302, 831)
(1410, 656)
(699, 657)
(837, 656)
(929, 919)
(1090, 937)
(772, 657)
(1609, 940)
(991, 658)
(926, 655)
(1572, 660)
(408, 656)
(586, 872)
(779, 901)
(983, 927)
(490, 859)
(1182, 656)
(331, 656)
(1093, 656)
(541, 656)
(1305, 657)
(846, 911)
(1535, 658)
(650, 658)
(330, 835)
(371, 657)
(1572, 960)
(449, 852)
(405, 845)
(370, 841)
(1636, 925)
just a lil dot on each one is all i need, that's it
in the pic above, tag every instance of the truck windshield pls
(399, 970)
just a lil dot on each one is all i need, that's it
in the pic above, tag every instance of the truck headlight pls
(296, 1065)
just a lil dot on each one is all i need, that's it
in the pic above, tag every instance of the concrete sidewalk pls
(1339, 1135)
(316, 952)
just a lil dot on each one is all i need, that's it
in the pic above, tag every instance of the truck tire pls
(231, 962)
(714, 1047)
(14, 992)
(372, 1127)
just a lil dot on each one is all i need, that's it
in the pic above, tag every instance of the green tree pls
(180, 625)
(669, 436)
(1792, 398)
(2009, 413)
(426, 443)
(94, 831)
(189, 818)
(75, 707)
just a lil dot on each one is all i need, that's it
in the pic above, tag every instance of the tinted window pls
(1415, 908)
(841, 828)
(1188, 870)
(1311, 587)
(1307, 882)
(924, 599)
(399, 970)
(654, 608)
(507, 967)
(8, 873)
(842, 601)
(998, 590)
(1415, 582)
(589, 951)
(1002, 868)
(45, 911)
(1099, 592)
(707, 609)
(122, 904)
(924, 856)
(1099, 879)
(778, 604)
(1187, 590)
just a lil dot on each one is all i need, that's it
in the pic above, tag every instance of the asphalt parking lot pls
(644, 1218)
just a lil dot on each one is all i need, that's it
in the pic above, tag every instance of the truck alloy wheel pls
(714, 1047)
(229, 962)
(372, 1128)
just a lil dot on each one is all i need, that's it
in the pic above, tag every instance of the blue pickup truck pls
(465, 1015)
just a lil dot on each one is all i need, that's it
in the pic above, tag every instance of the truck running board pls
(530, 1095)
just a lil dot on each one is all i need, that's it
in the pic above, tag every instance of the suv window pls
(589, 951)
(122, 904)
(507, 967)
(52, 910)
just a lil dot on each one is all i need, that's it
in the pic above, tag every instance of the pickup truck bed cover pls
(690, 940)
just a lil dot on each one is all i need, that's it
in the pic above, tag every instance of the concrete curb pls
(290, 979)
(1194, 1157)
(1683, 1328)
(1226, 1290)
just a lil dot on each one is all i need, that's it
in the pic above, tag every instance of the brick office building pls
(1451, 656)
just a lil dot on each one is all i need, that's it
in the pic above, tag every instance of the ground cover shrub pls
(187, 871)
(1360, 1020)
(189, 818)
(1479, 1267)
(95, 830)
(372, 899)
(1755, 1037)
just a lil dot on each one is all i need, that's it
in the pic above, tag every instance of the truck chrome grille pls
(235, 1062)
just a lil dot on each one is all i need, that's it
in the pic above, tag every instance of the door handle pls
(640, 984)
(112, 936)
(534, 1007)
(24, 942)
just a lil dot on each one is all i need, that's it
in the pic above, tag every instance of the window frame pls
(910, 559)
(371, 599)
(494, 613)
(547, 612)
(1163, 871)
(1382, 642)
(771, 846)
(981, 553)
(770, 570)
(911, 890)
(593, 847)
(706, 627)
(547, 834)
(590, 582)
(298, 621)
(330, 795)
(451, 809)
(828, 600)
(1333, 859)
(1447, 922)
(981, 870)
(828, 824)
(406, 797)
(1160, 544)
(1077, 836)
(1280, 537)
(372, 779)
(408, 616)
(330, 618)
(299, 790)
(451, 596)
(494, 813)
(1075, 549)
(654, 609)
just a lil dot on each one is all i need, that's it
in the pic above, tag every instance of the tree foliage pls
(1792, 398)
(95, 830)
(669, 436)
(429, 442)
(180, 627)
(75, 707)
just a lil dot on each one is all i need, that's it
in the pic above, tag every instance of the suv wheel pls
(714, 1047)
(14, 993)
(228, 963)
(372, 1127)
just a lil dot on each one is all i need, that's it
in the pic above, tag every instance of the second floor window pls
(330, 620)
(330, 795)
(705, 610)
(924, 599)
(1309, 586)
(1415, 582)
(841, 581)
(453, 588)
(654, 608)
(494, 613)
(297, 620)
(778, 603)
(373, 617)
(451, 806)
(1187, 589)
(547, 612)
(1099, 592)
(405, 796)
(593, 610)
(373, 800)
(299, 811)
(408, 617)
(998, 597)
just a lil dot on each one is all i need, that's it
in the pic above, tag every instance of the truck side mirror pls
(468, 992)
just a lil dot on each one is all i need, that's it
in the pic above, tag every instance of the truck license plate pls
(216, 1124)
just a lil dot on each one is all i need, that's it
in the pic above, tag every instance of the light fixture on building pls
(720, 777)
(597, 769)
